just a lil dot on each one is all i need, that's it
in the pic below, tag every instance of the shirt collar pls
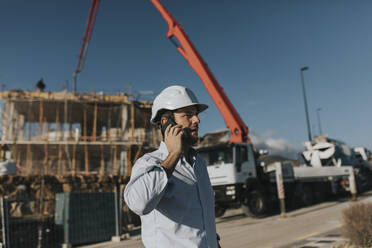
(163, 149)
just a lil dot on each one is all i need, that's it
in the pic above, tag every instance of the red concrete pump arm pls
(185, 47)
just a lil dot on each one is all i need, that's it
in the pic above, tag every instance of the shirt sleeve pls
(146, 186)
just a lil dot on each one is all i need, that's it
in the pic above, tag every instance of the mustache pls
(194, 127)
(190, 129)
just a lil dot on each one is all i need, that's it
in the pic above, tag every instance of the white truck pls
(326, 152)
(363, 155)
(239, 179)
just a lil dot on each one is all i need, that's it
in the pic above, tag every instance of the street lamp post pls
(318, 116)
(302, 69)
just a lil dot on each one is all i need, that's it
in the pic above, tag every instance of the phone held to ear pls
(169, 122)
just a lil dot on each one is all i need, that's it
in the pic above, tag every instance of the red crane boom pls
(86, 38)
(185, 47)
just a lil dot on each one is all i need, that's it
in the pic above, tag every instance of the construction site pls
(61, 133)
(55, 142)
(66, 157)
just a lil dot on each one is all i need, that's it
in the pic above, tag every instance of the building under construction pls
(62, 143)
(62, 133)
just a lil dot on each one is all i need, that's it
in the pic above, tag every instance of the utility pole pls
(302, 69)
(318, 117)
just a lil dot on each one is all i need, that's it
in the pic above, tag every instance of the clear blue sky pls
(254, 48)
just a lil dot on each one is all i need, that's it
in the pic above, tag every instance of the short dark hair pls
(167, 114)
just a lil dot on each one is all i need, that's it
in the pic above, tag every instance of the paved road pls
(306, 224)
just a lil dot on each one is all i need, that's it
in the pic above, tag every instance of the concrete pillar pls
(352, 183)
(124, 119)
(123, 162)
(117, 197)
(11, 122)
(6, 120)
(280, 188)
(132, 116)
(5, 216)
(5, 115)
(21, 126)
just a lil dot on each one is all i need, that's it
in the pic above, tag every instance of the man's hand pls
(173, 141)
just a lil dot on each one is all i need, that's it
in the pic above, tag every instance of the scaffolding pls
(62, 133)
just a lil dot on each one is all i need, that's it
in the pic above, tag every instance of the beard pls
(188, 138)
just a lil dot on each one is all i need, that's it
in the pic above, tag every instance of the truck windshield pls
(217, 156)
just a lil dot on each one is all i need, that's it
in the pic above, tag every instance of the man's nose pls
(195, 119)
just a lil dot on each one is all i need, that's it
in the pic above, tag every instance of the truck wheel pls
(219, 211)
(255, 204)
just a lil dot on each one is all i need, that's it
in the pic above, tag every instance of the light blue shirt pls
(177, 212)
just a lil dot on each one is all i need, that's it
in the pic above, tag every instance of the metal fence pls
(55, 212)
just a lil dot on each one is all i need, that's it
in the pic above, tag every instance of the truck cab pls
(230, 166)
(230, 163)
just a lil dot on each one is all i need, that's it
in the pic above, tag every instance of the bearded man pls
(170, 188)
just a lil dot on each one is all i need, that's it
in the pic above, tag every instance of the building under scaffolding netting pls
(62, 133)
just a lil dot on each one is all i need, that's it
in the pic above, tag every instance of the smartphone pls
(171, 122)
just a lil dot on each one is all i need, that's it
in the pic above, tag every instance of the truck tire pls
(219, 211)
(255, 204)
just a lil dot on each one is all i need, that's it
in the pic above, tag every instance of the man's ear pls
(163, 120)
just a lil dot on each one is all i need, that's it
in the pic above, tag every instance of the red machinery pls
(86, 38)
(232, 119)
(185, 47)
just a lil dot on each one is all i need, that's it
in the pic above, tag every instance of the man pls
(170, 187)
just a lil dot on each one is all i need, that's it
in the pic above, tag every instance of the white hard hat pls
(172, 98)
